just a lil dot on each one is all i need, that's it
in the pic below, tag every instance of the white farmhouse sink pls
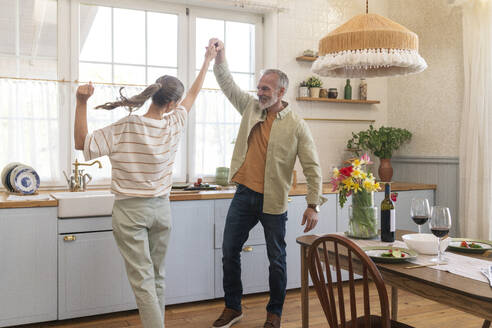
(84, 203)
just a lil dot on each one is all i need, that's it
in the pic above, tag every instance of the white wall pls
(429, 104)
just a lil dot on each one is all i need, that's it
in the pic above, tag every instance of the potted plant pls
(303, 90)
(382, 143)
(314, 84)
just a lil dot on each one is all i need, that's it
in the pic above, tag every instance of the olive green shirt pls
(289, 137)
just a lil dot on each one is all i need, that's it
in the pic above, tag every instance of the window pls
(45, 44)
(29, 109)
(217, 122)
(115, 51)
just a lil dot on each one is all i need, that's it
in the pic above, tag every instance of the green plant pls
(314, 82)
(382, 142)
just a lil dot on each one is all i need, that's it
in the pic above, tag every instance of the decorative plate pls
(6, 170)
(455, 245)
(24, 179)
(376, 253)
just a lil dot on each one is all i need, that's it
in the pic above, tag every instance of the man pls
(269, 139)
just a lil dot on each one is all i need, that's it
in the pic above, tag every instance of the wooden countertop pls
(301, 189)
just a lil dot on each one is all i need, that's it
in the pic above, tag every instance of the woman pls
(142, 151)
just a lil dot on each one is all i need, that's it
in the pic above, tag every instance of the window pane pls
(7, 27)
(129, 74)
(217, 124)
(129, 36)
(94, 72)
(240, 46)
(245, 81)
(38, 68)
(38, 35)
(153, 73)
(162, 39)
(205, 30)
(29, 126)
(95, 33)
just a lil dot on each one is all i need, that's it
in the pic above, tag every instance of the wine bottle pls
(387, 217)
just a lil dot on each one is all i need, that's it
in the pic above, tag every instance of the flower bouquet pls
(353, 180)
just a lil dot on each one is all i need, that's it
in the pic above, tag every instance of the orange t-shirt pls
(252, 172)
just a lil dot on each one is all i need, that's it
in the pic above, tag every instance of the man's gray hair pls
(283, 80)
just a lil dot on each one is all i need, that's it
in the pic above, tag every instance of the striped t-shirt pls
(141, 151)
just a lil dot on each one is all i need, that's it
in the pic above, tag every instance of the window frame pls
(68, 26)
(227, 15)
(142, 5)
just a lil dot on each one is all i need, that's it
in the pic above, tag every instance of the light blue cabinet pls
(326, 224)
(28, 275)
(92, 276)
(402, 207)
(190, 255)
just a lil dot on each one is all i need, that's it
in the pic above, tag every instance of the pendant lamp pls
(369, 45)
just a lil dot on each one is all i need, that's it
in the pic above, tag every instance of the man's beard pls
(269, 103)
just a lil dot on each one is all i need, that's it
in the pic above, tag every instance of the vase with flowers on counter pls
(354, 181)
(314, 84)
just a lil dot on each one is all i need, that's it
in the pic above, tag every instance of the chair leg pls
(486, 324)
(394, 303)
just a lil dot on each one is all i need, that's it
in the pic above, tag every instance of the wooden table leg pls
(486, 324)
(304, 287)
(394, 303)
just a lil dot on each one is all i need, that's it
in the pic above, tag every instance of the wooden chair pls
(327, 249)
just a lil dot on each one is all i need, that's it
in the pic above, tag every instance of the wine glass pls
(420, 211)
(440, 223)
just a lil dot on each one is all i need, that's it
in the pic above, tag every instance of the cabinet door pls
(92, 276)
(190, 256)
(254, 270)
(403, 205)
(28, 265)
(327, 224)
(256, 236)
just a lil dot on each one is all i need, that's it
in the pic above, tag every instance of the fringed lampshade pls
(369, 45)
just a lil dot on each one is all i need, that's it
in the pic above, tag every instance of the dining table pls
(465, 294)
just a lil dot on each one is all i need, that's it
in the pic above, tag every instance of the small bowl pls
(424, 243)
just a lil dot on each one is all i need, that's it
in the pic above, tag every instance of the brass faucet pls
(79, 183)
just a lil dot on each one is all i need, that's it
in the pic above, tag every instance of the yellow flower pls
(368, 185)
(356, 164)
(356, 173)
(363, 175)
(357, 188)
(336, 173)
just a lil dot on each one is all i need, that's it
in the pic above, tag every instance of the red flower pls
(394, 196)
(346, 171)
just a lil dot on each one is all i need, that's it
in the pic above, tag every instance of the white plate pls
(24, 179)
(6, 171)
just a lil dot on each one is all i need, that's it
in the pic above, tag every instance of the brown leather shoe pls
(227, 318)
(272, 321)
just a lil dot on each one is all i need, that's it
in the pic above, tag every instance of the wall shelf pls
(306, 58)
(369, 102)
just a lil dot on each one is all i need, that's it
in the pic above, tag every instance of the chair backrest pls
(327, 249)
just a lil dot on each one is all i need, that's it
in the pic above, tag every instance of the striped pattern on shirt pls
(141, 151)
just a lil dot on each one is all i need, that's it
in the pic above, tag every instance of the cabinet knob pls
(289, 199)
(248, 249)
(69, 238)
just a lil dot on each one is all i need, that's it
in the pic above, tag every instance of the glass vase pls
(363, 216)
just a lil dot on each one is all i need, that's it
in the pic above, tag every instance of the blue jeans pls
(244, 213)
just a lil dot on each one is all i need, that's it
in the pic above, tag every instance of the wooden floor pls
(413, 310)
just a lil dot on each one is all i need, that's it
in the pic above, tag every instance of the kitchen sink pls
(84, 203)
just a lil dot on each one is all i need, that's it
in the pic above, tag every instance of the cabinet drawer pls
(256, 236)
